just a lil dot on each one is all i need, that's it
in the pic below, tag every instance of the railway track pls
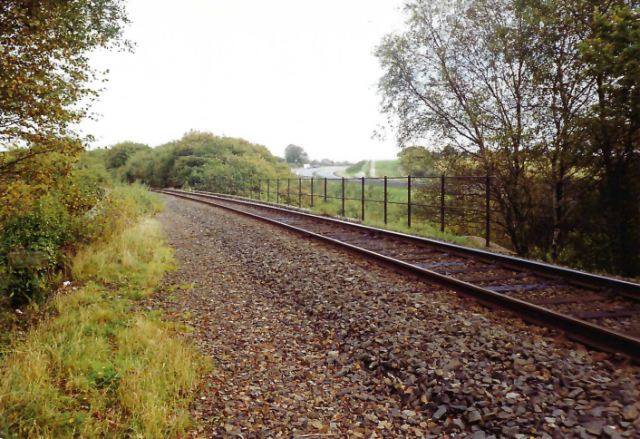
(600, 312)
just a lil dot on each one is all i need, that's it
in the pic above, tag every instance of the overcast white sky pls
(273, 72)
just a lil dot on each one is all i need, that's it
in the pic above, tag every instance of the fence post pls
(278, 191)
(288, 191)
(325, 189)
(488, 207)
(268, 190)
(409, 201)
(342, 196)
(300, 192)
(385, 199)
(363, 199)
(442, 182)
(311, 191)
(259, 189)
(251, 188)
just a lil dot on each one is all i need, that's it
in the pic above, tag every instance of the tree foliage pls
(295, 155)
(46, 87)
(612, 58)
(119, 153)
(417, 161)
(538, 93)
(195, 161)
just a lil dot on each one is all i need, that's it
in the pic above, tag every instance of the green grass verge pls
(99, 368)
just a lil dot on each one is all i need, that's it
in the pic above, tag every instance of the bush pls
(31, 245)
(36, 245)
(96, 369)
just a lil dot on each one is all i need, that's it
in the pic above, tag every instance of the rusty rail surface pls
(445, 261)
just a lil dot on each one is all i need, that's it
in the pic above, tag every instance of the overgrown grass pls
(133, 256)
(426, 230)
(43, 240)
(98, 368)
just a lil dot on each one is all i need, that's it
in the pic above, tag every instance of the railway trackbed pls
(600, 312)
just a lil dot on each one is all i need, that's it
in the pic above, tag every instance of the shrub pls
(37, 244)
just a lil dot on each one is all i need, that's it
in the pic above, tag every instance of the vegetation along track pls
(598, 311)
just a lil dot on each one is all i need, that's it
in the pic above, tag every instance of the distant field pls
(360, 169)
(370, 168)
(390, 168)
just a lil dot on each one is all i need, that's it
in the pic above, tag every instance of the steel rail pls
(581, 278)
(579, 330)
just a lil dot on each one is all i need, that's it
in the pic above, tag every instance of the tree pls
(46, 86)
(613, 129)
(545, 96)
(561, 99)
(417, 161)
(463, 73)
(119, 153)
(202, 161)
(295, 155)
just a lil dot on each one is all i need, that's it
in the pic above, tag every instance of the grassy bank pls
(98, 367)
(360, 169)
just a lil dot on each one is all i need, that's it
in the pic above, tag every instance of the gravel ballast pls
(308, 341)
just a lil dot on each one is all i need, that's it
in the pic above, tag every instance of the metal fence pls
(457, 204)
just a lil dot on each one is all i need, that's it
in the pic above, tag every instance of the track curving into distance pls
(597, 311)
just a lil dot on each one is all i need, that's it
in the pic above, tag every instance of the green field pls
(389, 168)
(373, 169)
(360, 169)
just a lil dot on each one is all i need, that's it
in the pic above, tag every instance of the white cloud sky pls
(273, 72)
